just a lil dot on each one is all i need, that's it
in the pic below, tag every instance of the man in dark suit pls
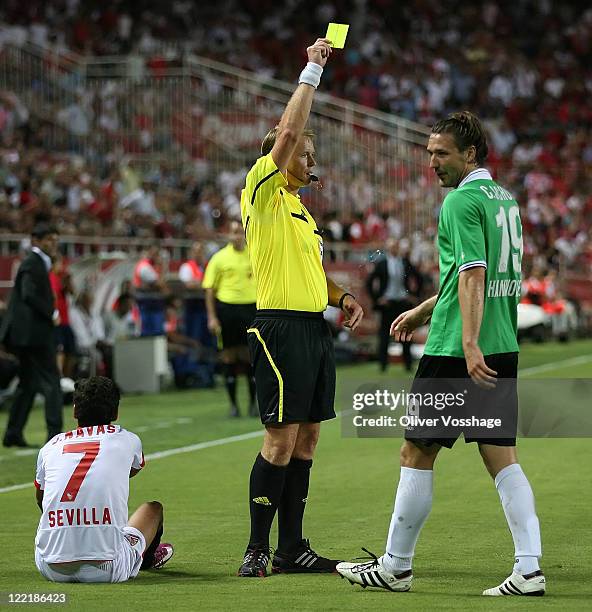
(394, 286)
(28, 331)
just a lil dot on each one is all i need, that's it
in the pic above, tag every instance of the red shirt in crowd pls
(57, 286)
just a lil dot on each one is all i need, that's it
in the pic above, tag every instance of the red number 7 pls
(90, 450)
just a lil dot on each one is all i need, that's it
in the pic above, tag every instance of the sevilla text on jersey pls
(79, 516)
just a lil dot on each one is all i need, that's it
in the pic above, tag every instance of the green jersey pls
(479, 227)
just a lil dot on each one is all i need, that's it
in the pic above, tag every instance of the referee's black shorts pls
(235, 319)
(292, 355)
(449, 375)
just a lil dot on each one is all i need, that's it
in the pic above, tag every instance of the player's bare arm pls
(39, 498)
(297, 111)
(471, 291)
(348, 304)
(407, 322)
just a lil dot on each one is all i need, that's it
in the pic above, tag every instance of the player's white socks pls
(413, 503)
(518, 504)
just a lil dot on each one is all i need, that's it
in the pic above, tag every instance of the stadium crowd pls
(419, 61)
(416, 59)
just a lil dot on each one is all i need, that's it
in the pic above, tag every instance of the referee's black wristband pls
(343, 298)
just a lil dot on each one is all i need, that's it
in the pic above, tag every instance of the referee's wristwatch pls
(343, 298)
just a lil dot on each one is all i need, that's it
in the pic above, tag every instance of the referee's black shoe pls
(304, 560)
(255, 562)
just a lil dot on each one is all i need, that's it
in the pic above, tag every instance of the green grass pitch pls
(465, 545)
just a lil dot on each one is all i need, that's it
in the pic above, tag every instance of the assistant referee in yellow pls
(230, 304)
(290, 343)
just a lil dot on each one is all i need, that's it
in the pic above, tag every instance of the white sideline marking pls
(24, 485)
(254, 434)
(202, 445)
(163, 424)
(168, 453)
(546, 367)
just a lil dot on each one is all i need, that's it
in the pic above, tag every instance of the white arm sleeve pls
(40, 472)
(185, 273)
(148, 275)
(138, 461)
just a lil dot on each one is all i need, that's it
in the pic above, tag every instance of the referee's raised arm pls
(297, 111)
(290, 343)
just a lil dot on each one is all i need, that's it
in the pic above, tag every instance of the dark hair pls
(96, 401)
(467, 131)
(43, 229)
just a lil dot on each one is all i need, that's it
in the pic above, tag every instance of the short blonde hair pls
(269, 140)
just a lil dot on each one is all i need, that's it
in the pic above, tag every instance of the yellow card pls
(337, 33)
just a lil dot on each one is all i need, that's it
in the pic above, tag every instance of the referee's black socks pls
(251, 379)
(230, 381)
(265, 491)
(292, 505)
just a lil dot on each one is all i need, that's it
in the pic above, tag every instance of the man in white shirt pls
(142, 201)
(119, 322)
(89, 333)
(82, 483)
(87, 325)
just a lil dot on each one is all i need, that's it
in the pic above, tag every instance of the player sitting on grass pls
(82, 483)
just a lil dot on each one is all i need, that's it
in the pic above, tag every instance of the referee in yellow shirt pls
(230, 304)
(290, 343)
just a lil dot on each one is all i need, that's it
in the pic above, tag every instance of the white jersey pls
(84, 475)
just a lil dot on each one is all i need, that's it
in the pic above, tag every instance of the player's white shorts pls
(125, 566)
